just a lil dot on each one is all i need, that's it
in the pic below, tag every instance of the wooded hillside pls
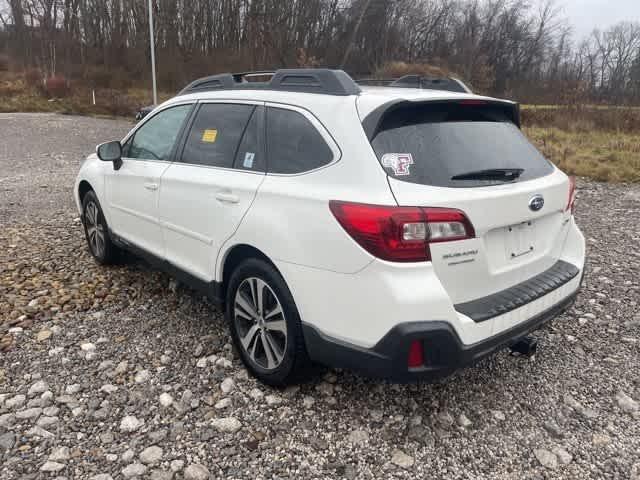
(502, 47)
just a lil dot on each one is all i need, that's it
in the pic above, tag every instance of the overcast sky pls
(585, 15)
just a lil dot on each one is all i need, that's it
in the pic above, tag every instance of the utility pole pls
(152, 45)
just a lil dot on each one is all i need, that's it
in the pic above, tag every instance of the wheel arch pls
(84, 187)
(233, 257)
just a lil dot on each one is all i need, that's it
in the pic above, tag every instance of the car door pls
(204, 196)
(132, 190)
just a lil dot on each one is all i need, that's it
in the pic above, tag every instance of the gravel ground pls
(120, 372)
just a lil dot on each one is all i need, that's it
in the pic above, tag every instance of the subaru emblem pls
(536, 203)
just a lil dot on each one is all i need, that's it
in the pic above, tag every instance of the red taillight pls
(571, 204)
(416, 354)
(400, 234)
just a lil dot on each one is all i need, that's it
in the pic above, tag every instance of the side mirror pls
(110, 152)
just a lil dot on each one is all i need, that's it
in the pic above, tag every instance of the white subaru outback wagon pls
(399, 232)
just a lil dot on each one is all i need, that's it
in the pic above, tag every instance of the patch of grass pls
(583, 118)
(600, 155)
(16, 95)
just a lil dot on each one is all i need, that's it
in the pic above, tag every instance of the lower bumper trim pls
(444, 351)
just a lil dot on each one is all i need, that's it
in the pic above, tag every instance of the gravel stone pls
(60, 454)
(43, 335)
(51, 411)
(39, 432)
(546, 458)
(358, 437)
(161, 475)
(498, 415)
(600, 439)
(87, 347)
(273, 400)
(37, 388)
(227, 385)
(29, 413)
(196, 472)
(128, 455)
(47, 422)
(15, 402)
(166, 400)
(463, 421)
(142, 376)
(401, 459)
(201, 363)
(130, 424)
(151, 455)
(73, 389)
(7, 441)
(626, 403)
(7, 419)
(109, 389)
(256, 394)
(564, 457)
(226, 425)
(222, 404)
(554, 429)
(134, 470)
(158, 436)
(51, 467)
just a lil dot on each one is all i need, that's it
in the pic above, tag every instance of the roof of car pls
(309, 88)
(368, 98)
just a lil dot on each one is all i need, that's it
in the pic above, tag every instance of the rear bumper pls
(443, 350)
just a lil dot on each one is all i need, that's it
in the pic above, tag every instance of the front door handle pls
(227, 197)
(151, 186)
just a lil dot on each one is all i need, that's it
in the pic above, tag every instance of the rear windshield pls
(431, 144)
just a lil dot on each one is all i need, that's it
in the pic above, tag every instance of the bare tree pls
(502, 47)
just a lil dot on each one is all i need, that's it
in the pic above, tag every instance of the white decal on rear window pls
(398, 162)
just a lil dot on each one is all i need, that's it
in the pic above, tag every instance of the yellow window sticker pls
(209, 136)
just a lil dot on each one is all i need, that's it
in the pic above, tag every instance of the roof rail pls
(308, 80)
(450, 84)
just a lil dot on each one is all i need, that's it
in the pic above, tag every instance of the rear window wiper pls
(504, 174)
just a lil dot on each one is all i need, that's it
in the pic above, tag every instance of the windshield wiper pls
(504, 174)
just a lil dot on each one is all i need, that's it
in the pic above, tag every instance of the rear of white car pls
(402, 233)
(478, 247)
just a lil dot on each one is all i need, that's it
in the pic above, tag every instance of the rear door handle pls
(227, 197)
(151, 186)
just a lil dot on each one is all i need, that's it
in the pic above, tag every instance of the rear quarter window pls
(429, 144)
(294, 145)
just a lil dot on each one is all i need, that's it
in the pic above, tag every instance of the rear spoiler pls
(373, 120)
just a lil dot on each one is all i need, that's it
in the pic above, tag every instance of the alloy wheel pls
(260, 323)
(95, 230)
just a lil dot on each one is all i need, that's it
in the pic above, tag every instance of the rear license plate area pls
(520, 239)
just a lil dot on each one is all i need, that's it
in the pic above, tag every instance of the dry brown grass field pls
(599, 142)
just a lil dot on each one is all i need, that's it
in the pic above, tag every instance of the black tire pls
(108, 254)
(295, 366)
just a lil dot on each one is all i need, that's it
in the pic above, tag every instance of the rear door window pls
(430, 144)
(215, 134)
(294, 145)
